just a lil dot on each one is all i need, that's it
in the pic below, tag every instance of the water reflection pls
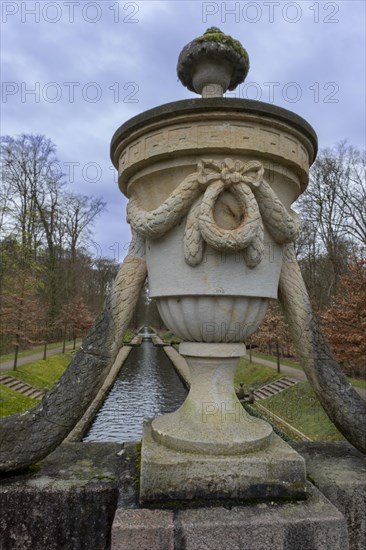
(147, 386)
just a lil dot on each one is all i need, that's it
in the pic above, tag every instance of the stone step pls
(286, 381)
(281, 385)
(5, 378)
(274, 388)
(15, 385)
(259, 395)
(21, 387)
(268, 391)
(33, 393)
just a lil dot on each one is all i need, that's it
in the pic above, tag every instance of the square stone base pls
(310, 524)
(277, 472)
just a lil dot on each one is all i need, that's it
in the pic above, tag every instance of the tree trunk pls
(16, 357)
(278, 357)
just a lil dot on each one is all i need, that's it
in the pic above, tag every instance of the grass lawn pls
(300, 407)
(170, 338)
(357, 382)
(42, 374)
(128, 336)
(13, 402)
(254, 375)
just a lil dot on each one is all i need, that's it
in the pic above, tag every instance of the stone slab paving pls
(331, 519)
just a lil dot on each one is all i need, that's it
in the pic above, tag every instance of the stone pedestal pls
(212, 420)
(167, 474)
(211, 447)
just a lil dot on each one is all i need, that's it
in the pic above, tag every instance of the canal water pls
(147, 385)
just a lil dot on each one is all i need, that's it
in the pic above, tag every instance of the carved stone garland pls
(196, 196)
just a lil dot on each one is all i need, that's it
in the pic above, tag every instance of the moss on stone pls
(34, 468)
(214, 34)
(138, 463)
(108, 477)
(310, 478)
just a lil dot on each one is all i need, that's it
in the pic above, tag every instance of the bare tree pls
(334, 219)
(28, 164)
(79, 213)
(352, 192)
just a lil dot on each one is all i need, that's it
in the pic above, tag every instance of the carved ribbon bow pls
(201, 225)
(196, 196)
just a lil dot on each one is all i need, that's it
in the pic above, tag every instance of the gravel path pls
(8, 365)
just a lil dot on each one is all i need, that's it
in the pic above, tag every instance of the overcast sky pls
(76, 70)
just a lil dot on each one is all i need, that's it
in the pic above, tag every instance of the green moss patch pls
(214, 34)
(129, 335)
(170, 338)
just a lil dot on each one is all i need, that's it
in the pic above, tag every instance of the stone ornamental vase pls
(210, 184)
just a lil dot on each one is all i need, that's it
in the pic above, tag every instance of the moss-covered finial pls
(213, 62)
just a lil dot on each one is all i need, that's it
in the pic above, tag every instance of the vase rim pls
(229, 105)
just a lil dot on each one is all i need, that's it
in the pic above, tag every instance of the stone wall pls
(69, 502)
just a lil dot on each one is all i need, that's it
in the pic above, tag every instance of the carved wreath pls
(196, 196)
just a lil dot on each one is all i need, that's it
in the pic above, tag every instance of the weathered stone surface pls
(212, 421)
(68, 504)
(167, 474)
(127, 147)
(212, 49)
(339, 471)
(143, 529)
(314, 524)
